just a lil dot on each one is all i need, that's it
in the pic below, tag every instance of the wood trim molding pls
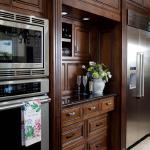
(124, 78)
(54, 16)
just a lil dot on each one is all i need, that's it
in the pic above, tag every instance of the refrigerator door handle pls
(139, 75)
(142, 74)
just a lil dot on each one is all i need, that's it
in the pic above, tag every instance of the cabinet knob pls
(71, 113)
(108, 103)
(70, 136)
(92, 108)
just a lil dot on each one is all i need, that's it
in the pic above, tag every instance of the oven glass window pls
(19, 45)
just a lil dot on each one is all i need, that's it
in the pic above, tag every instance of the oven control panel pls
(19, 89)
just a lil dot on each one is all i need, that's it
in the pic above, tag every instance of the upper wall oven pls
(24, 46)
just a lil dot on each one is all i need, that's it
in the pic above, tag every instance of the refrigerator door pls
(138, 75)
(144, 103)
(132, 101)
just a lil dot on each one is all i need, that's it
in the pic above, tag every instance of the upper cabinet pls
(82, 41)
(146, 4)
(5, 2)
(142, 3)
(107, 8)
(139, 2)
(29, 7)
(75, 40)
(110, 3)
(35, 5)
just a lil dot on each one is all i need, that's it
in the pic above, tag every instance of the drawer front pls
(90, 110)
(108, 104)
(76, 146)
(71, 115)
(97, 124)
(72, 133)
(98, 144)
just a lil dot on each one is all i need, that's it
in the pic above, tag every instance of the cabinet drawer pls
(76, 146)
(98, 144)
(96, 125)
(71, 115)
(108, 104)
(91, 109)
(72, 133)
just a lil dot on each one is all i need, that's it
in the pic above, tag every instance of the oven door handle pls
(12, 106)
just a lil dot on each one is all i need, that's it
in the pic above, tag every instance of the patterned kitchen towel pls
(31, 122)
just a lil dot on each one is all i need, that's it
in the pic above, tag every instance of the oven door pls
(21, 45)
(10, 127)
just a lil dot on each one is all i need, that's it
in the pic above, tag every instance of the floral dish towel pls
(31, 122)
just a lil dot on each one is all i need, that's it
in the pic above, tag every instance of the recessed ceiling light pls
(64, 13)
(85, 18)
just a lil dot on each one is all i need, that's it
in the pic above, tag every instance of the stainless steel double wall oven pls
(24, 70)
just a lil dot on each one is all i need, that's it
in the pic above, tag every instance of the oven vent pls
(23, 18)
(38, 72)
(23, 73)
(7, 73)
(7, 15)
(38, 21)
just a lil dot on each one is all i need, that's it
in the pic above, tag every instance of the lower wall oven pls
(13, 94)
(10, 125)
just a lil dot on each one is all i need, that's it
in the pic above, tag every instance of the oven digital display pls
(8, 89)
(19, 89)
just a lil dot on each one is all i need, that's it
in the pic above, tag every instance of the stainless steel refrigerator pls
(138, 79)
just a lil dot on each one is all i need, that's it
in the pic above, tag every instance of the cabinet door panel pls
(140, 2)
(103, 3)
(112, 3)
(8, 2)
(146, 4)
(82, 42)
(34, 5)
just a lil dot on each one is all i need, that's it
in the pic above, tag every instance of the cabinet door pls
(111, 3)
(82, 41)
(33, 5)
(140, 2)
(146, 4)
(105, 3)
(8, 2)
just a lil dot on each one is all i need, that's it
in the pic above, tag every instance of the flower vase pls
(98, 86)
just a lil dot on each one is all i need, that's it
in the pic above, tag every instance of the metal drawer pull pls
(70, 136)
(108, 103)
(92, 108)
(72, 114)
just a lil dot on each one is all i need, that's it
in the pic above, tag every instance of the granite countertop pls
(79, 99)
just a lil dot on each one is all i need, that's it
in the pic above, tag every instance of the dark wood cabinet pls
(106, 8)
(85, 126)
(33, 5)
(146, 4)
(109, 3)
(75, 39)
(98, 144)
(81, 41)
(139, 2)
(8, 2)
